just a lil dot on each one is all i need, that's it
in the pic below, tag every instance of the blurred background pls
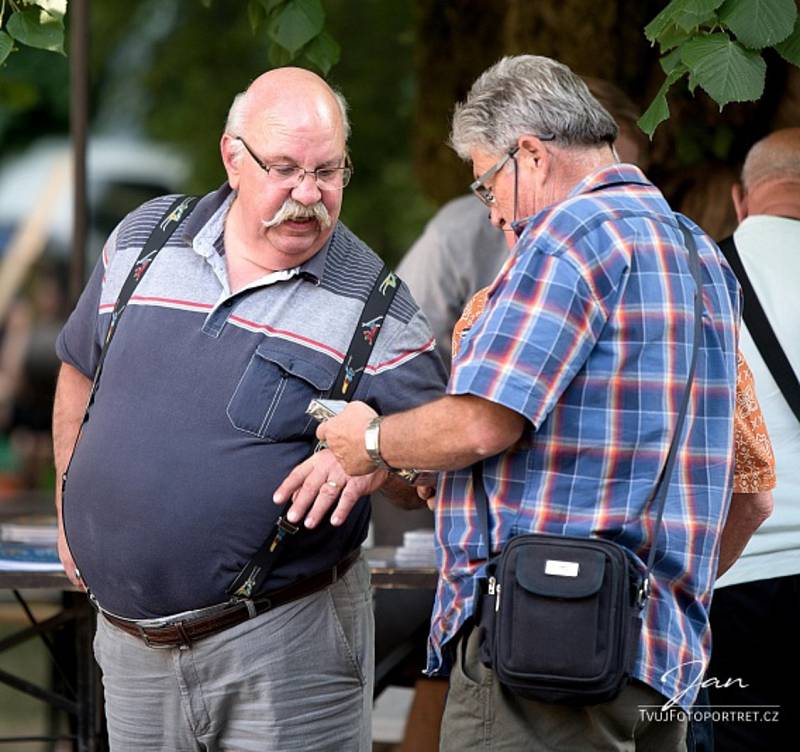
(162, 74)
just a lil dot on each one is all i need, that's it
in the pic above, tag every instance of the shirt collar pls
(615, 174)
(206, 225)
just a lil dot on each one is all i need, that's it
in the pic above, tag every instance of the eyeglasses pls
(290, 176)
(479, 187)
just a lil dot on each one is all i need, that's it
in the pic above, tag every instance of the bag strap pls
(161, 233)
(254, 573)
(659, 495)
(762, 332)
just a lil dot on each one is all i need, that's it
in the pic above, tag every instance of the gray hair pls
(234, 123)
(529, 94)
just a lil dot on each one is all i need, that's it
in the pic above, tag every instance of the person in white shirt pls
(756, 606)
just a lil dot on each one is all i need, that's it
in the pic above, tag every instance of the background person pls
(756, 604)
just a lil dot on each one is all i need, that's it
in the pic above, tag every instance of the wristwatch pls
(372, 442)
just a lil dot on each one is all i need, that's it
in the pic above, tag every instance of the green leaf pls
(789, 49)
(37, 28)
(658, 111)
(670, 60)
(297, 23)
(206, 3)
(759, 23)
(56, 8)
(279, 56)
(726, 70)
(255, 14)
(324, 52)
(271, 5)
(686, 14)
(6, 45)
(659, 25)
(672, 37)
(693, 13)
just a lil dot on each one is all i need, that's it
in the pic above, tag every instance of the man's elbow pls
(763, 507)
(753, 508)
(492, 432)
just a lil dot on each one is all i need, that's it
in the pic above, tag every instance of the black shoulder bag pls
(560, 616)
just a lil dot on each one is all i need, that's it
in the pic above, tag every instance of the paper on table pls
(23, 557)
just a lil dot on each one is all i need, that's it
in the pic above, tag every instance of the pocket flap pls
(560, 571)
(318, 375)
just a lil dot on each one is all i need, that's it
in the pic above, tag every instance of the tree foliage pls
(718, 45)
(33, 23)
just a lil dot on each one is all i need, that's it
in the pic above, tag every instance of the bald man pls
(755, 611)
(243, 317)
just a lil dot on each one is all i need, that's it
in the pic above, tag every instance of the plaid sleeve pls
(540, 325)
(754, 465)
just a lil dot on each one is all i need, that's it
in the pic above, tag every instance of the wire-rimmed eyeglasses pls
(290, 176)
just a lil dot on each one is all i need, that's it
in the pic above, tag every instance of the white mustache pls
(292, 209)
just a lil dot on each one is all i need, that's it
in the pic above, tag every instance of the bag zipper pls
(494, 589)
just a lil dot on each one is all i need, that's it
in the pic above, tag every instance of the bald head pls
(771, 177)
(288, 97)
(775, 157)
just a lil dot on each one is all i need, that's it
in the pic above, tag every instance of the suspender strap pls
(162, 232)
(249, 581)
(659, 495)
(364, 336)
(762, 332)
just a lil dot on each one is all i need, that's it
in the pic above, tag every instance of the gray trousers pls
(480, 714)
(296, 678)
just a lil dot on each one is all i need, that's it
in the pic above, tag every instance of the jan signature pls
(700, 682)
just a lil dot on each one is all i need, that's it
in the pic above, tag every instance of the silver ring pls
(332, 483)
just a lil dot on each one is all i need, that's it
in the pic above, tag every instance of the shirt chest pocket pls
(272, 395)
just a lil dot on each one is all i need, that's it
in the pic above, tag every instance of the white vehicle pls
(36, 199)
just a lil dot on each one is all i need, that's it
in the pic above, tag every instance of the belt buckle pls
(182, 634)
(143, 634)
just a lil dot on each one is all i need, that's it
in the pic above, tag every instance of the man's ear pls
(532, 152)
(739, 198)
(231, 158)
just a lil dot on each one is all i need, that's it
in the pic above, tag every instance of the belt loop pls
(187, 641)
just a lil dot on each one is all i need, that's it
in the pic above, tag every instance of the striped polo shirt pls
(587, 333)
(200, 410)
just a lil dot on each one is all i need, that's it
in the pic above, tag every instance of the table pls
(403, 601)
(83, 700)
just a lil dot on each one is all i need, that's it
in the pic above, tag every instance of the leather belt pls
(186, 631)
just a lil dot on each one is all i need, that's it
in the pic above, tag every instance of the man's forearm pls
(450, 433)
(746, 513)
(71, 396)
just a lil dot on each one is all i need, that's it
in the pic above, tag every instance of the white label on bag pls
(561, 568)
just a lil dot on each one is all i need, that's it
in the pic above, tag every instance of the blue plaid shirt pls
(588, 334)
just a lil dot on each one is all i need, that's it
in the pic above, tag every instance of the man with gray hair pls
(245, 316)
(566, 390)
